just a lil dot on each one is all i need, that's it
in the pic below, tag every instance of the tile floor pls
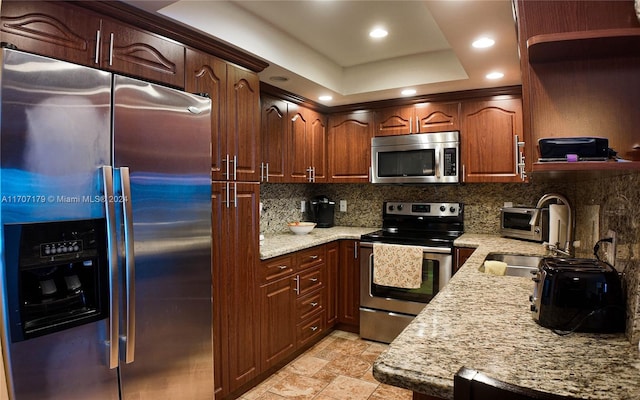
(337, 368)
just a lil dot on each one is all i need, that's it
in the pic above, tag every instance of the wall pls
(612, 198)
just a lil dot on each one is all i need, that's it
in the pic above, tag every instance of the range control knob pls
(399, 207)
(453, 210)
(533, 308)
(443, 208)
(391, 208)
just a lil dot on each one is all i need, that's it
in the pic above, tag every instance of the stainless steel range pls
(385, 309)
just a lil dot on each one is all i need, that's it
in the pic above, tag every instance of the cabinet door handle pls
(267, 169)
(97, 59)
(111, 50)
(417, 125)
(226, 161)
(310, 178)
(262, 172)
(297, 288)
(235, 167)
(314, 304)
(410, 124)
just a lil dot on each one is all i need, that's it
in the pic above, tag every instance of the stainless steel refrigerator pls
(105, 215)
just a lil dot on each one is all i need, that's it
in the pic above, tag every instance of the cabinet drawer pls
(310, 257)
(310, 329)
(276, 268)
(310, 280)
(309, 305)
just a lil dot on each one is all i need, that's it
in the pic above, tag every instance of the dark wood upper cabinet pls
(349, 146)
(491, 135)
(63, 31)
(274, 139)
(418, 118)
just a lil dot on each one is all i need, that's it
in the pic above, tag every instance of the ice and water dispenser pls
(57, 276)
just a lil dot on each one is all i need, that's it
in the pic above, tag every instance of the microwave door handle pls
(437, 166)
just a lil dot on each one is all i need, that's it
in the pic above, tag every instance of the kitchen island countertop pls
(277, 244)
(483, 322)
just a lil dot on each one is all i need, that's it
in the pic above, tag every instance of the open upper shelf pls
(567, 46)
(583, 170)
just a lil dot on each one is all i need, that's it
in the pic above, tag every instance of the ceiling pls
(322, 47)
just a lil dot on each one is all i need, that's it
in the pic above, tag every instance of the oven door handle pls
(425, 249)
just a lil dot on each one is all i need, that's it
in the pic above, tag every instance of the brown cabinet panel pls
(276, 268)
(395, 121)
(310, 257)
(349, 285)
(311, 329)
(243, 124)
(317, 143)
(491, 131)
(437, 117)
(277, 330)
(310, 280)
(332, 264)
(349, 146)
(134, 52)
(274, 139)
(52, 29)
(208, 74)
(299, 160)
(309, 305)
(460, 256)
(235, 264)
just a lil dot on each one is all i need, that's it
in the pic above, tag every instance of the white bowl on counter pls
(301, 228)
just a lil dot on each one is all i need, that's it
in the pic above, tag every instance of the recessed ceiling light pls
(378, 33)
(325, 98)
(483, 43)
(408, 92)
(494, 75)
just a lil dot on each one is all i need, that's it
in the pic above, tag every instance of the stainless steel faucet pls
(569, 249)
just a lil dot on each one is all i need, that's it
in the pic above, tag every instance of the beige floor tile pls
(347, 388)
(306, 365)
(348, 365)
(298, 387)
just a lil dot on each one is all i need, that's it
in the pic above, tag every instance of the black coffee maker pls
(321, 211)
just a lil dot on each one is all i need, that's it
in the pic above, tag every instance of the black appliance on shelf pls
(322, 211)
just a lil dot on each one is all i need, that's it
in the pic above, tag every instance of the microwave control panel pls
(450, 161)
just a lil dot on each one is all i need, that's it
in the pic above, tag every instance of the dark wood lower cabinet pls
(349, 286)
(420, 396)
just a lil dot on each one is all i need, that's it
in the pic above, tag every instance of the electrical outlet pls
(303, 206)
(343, 206)
(611, 248)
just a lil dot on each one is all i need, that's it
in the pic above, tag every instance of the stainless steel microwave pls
(416, 158)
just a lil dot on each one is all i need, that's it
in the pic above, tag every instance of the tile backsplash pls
(612, 197)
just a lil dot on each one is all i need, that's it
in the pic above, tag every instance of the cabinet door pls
(491, 130)
(395, 121)
(317, 143)
(349, 286)
(332, 263)
(437, 117)
(242, 247)
(349, 146)
(277, 321)
(57, 30)
(274, 139)
(134, 52)
(460, 256)
(299, 157)
(243, 123)
(207, 74)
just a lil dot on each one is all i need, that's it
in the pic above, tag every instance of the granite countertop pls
(278, 244)
(483, 322)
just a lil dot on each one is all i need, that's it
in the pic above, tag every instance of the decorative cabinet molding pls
(418, 118)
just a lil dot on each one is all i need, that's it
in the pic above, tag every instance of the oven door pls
(436, 272)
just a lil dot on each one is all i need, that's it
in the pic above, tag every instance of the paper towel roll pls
(558, 219)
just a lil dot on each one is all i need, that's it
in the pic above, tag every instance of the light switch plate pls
(343, 206)
(303, 206)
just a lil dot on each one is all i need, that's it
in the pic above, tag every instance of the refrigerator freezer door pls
(55, 122)
(163, 137)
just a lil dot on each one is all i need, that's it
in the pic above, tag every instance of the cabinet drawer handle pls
(314, 304)
(314, 328)
(282, 267)
(314, 257)
(313, 279)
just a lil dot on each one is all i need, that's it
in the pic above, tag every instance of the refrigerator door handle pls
(129, 263)
(112, 340)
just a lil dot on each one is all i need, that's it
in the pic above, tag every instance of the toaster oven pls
(516, 222)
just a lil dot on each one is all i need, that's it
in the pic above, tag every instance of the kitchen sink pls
(517, 265)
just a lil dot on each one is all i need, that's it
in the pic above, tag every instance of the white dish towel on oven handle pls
(397, 265)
